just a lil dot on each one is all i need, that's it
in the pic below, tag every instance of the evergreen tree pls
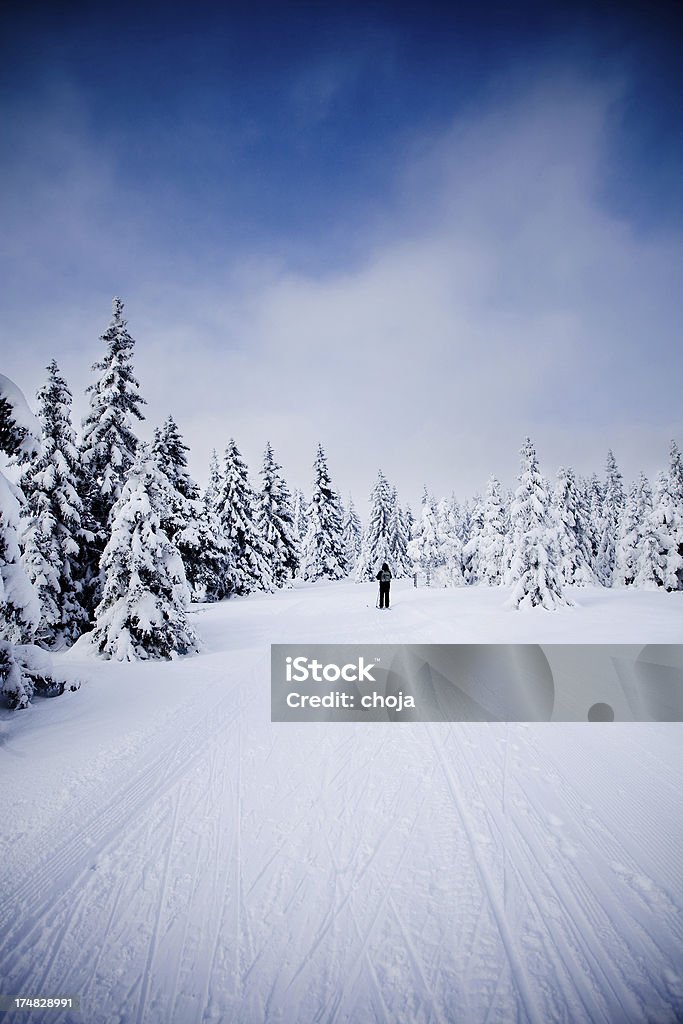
(676, 470)
(20, 439)
(249, 553)
(473, 529)
(376, 544)
(507, 577)
(143, 611)
(215, 484)
(401, 564)
(424, 548)
(535, 561)
(189, 523)
(23, 667)
(323, 553)
(449, 556)
(612, 509)
(492, 536)
(455, 514)
(465, 516)
(217, 572)
(108, 443)
(648, 566)
(170, 452)
(300, 524)
(592, 503)
(660, 557)
(676, 488)
(276, 521)
(351, 535)
(574, 544)
(53, 536)
(632, 528)
(408, 523)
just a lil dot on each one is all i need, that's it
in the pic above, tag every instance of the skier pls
(384, 577)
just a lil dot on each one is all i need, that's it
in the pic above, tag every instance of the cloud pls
(495, 297)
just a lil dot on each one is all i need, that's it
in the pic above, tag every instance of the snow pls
(169, 854)
(17, 593)
(22, 416)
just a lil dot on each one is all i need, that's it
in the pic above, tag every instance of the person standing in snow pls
(384, 577)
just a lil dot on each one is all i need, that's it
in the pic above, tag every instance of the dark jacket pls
(384, 575)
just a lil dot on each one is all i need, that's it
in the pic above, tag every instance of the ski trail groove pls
(583, 919)
(161, 900)
(379, 914)
(520, 977)
(415, 961)
(572, 986)
(104, 826)
(69, 865)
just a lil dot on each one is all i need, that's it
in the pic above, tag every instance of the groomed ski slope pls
(169, 855)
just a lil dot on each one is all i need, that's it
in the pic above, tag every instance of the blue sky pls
(415, 234)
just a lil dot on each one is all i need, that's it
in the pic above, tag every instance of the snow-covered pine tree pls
(408, 522)
(143, 611)
(661, 560)
(676, 470)
(249, 553)
(24, 669)
(465, 513)
(448, 571)
(376, 543)
(401, 564)
(108, 443)
(459, 513)
(508, 497)
(473, 526)
(676, 488)
(53, 537)
(649, 566)
(424, 547)
(592, 502)
(170, 452)
(323, 555)
(190, 525)
(213, 487)
(20, 439)
(300, 524)
(612, 509)
(535, 560)
(492, 536)
(351, 535)
(276, 521)
(574, 545)
(632, 528)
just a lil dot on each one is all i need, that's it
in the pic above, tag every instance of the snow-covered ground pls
(169, 855)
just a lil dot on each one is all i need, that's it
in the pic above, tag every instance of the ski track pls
(592, 918)
(336, 874)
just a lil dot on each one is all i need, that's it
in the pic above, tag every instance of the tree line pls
(110, 535)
